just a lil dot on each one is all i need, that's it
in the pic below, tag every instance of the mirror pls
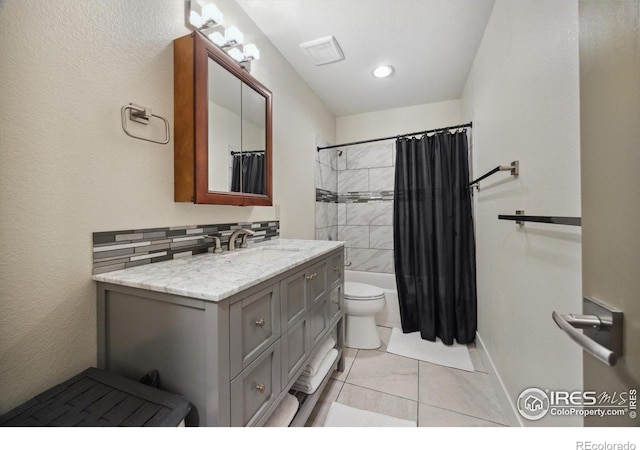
(253, 172)
(222, 127)
(225, 126)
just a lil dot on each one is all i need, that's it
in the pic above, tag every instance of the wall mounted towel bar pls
(602, 327)
(514, 168)
(143, 115)
(520, 218)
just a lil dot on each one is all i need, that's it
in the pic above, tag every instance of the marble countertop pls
(215, 277)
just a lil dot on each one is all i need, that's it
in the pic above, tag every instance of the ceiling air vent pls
(323, 51)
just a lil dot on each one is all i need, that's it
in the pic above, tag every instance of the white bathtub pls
(390, 315)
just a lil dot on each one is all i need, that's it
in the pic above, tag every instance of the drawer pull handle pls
(260, 322)
(313, 276)
(260, 387)
(336, 269)
(335, 301)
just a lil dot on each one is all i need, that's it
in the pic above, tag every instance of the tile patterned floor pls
(431, 395)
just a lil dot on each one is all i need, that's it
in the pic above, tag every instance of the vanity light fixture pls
(382, 71)
(207, 19)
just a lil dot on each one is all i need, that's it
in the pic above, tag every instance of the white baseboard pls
(513, 419)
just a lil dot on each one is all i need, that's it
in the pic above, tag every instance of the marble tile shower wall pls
(354, 202)
(326, 183)
(115, 250)
(366, 175)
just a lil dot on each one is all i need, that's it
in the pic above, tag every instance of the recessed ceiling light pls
(382, 71)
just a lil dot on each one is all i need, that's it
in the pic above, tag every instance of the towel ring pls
(143, 115)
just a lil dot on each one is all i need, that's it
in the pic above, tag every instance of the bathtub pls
(390, 315)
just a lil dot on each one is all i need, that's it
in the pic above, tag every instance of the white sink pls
(261, 255)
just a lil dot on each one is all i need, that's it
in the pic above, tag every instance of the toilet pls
(361, 303)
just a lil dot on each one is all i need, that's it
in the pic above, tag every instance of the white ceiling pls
(430, 43)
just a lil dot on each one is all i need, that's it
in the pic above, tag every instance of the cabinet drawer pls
(295, 349)
(293, 299)
(255, 389)
(318, 319)
(335, 303)
(254, 326)
(335, 269)
(316, 283)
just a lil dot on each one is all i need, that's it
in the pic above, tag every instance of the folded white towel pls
(308, 385)
(284, 413)
(315, 362)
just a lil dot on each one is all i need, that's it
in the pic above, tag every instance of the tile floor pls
(431, 395)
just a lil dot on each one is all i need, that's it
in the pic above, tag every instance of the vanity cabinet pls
(234, 359)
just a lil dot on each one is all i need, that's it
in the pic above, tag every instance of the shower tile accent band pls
(322, 195)
(364, 197)
(353, 197)
(115, 250)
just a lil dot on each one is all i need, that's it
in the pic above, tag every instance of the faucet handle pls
(218, 244)
(247, 232)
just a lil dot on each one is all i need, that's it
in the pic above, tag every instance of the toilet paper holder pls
(602, 329)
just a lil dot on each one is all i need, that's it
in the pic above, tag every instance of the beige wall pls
(522, 95)
(67, 169)
(398, 121)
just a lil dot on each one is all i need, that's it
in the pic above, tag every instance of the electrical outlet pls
(277, 210)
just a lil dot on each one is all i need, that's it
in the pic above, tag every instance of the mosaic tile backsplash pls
(115, 250)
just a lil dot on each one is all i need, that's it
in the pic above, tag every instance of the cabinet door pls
(318, 321)
(295, 349)
(316, 283)
(293, 298)
(255, 389)
(254, 326)
(335, 270)
(335, 304)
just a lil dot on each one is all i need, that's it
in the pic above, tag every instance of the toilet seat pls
(362, 291)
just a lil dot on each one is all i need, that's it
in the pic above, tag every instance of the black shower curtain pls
(434, 247)
(248, 173)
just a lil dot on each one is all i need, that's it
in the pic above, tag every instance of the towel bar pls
(602, 327)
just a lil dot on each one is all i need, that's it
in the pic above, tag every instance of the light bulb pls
(236, 54)
(211, 15)
(251, 52)
(195, 19)
(217, 38)
(233, 36)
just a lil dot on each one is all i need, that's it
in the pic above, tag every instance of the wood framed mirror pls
(223, 119)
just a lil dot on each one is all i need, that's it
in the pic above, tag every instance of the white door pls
(610, 160)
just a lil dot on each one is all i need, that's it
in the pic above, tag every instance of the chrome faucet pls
(232, 239)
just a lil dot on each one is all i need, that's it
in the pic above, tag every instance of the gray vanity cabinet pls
(234, 359)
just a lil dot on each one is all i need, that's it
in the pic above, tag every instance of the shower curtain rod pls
(466, 125)
(247, 151)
